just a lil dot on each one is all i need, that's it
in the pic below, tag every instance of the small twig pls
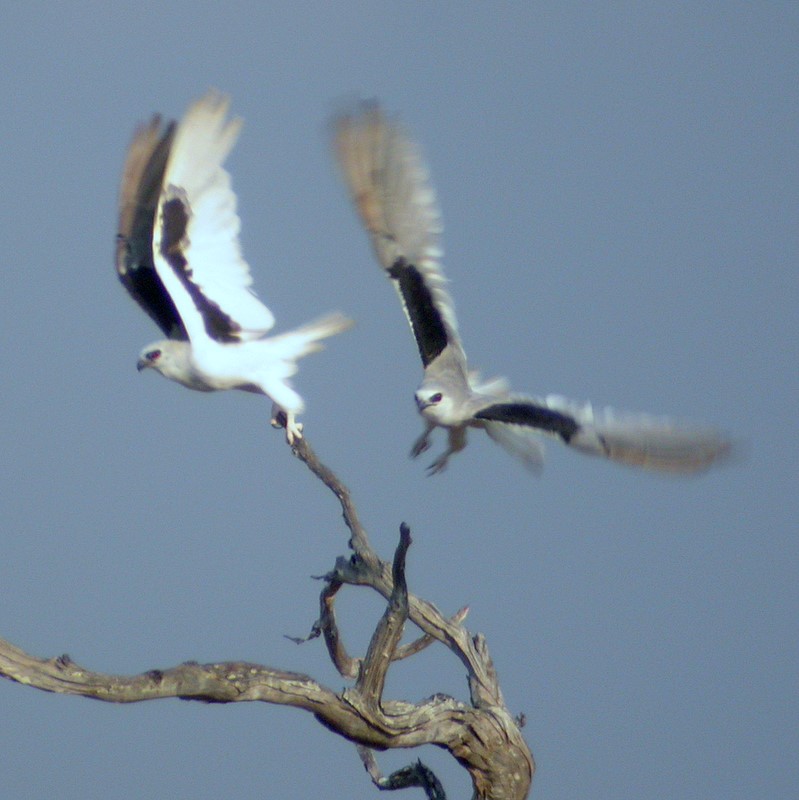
(315, 633)
(416, 646)
(414, 775)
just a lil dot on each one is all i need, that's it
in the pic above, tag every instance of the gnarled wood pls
(481, 734)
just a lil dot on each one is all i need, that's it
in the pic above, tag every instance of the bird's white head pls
(436, 405)
(172, 358)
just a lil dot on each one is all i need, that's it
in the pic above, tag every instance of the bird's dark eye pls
(153, 355)
(437, 397)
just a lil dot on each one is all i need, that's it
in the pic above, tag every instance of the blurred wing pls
(138, 200)
(522, 442)
(638, 440)
(390, 188)
(195, 244)
(656, 443)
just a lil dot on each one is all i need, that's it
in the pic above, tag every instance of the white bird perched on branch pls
(178, 255)
(390, 188)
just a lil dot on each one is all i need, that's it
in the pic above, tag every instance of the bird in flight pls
(390, 188)
(178, 255)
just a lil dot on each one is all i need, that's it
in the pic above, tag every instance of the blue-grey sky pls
(619, 190)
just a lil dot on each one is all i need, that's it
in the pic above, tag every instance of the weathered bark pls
(481, 734)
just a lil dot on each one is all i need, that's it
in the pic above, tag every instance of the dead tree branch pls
(481, 734)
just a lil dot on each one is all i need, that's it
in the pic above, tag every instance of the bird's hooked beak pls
(143, 363)
(420, 404)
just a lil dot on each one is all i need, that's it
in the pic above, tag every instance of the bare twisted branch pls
(481, 735)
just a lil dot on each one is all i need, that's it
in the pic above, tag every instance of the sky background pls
(619, 190)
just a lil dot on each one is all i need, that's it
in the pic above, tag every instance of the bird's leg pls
(423, 442)
(286, 419)
(457, 441)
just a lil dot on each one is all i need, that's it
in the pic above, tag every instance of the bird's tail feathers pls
(307, 339)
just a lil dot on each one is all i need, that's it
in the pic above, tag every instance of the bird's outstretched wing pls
(139, 192)
(195, 243)
(640, 440)
(391, 191)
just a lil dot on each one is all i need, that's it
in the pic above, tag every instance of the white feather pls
(194, 172)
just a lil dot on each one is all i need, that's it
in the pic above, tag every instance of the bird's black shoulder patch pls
(175, 215)
(532, 415)
(426, 321)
